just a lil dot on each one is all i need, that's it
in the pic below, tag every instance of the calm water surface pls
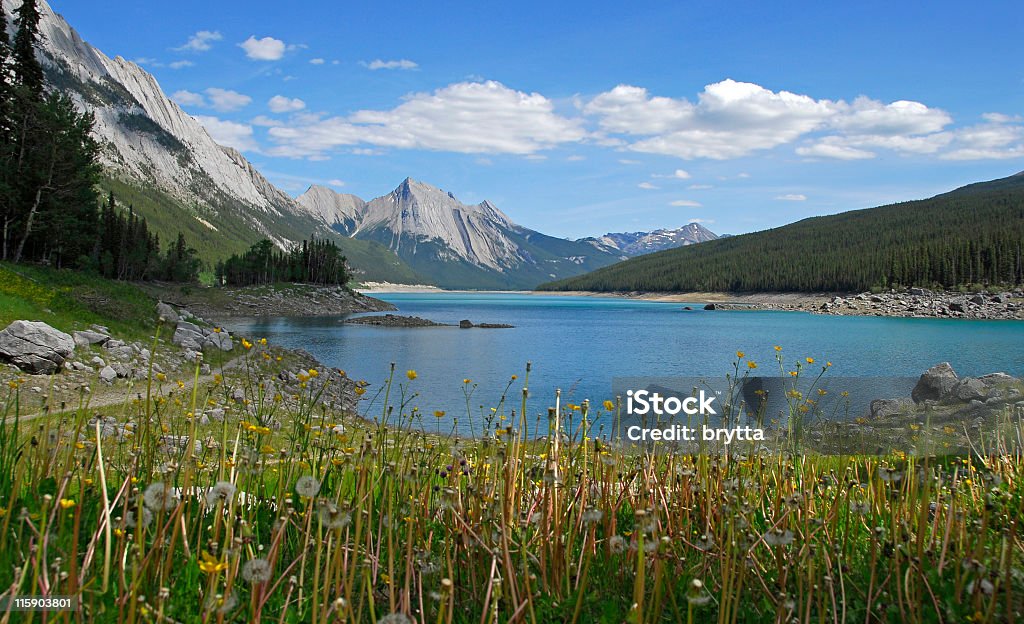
(579, 344)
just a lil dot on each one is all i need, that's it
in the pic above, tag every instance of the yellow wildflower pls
(67, 503)
(411, 374)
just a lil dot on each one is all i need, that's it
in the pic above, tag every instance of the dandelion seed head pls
(159, 497)
(256, 571)
(222, 491)
(307, 486)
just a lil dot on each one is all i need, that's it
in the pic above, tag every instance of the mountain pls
(971, 236)
(163, 162)
(632, 244)
(454, 245)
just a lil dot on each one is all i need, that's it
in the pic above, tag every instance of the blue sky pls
(579, 118)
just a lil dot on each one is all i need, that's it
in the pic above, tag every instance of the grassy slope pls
(69, 300)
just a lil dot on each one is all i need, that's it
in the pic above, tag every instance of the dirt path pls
(114, 397)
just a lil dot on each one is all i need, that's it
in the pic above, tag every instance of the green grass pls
(70, 300)
(369, 519)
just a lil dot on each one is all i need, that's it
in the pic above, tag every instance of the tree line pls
(973, 237)
(48, 158)
(316, 261)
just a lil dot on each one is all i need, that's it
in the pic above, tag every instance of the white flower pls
(307, 486)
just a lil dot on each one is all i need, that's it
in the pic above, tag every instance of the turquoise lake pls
(579, 344)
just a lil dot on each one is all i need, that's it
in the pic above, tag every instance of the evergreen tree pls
(27, 70)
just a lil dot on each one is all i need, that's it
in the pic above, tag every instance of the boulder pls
(971, 389)
(166, 312)
(993, 379)
(108, 374)
(958, 305)
(88, 337)
(188, 336)
(710, 306)
(218, 340)
(935, 384)
(465, 324)
(884, 408)
(35, 347)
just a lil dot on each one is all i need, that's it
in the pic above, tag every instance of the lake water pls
(579, 344)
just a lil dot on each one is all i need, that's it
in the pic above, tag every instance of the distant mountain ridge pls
(632, 244)
(455, 245)
(972, 236)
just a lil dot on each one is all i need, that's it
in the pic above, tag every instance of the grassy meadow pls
(284, 509)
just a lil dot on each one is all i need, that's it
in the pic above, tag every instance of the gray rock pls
(978, 299)
(113, 344)
(884, 408)
(216, 414)
(218, 340)
(97, 361)
(935, 384)
(122, 370)
(995, 378)
(970, 389)
(87, 337)
(123, 353)
(958, 305)
(188, 336)
(35, 347)
(108, 374)
(80, 366)
(465, 324)
(166, 312)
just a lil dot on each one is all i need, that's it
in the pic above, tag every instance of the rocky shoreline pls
(396, 320)
(912, 303)
(294, 300)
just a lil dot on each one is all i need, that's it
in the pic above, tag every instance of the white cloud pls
(336, 182)
(1001, 118)
(826, 149)
(648, 186)
(792, 197)
(265, 49)
(382, 64)
(685, 203)
(181, 64)
(576, 158)
(731, 119)
(282, 104)
(188, 98)
(708, 221)
(988, 141)
(200, 42)
(679, 174)
(699, 187)
(466, 117)
(629, 161)
(226, 100)
(229, 133)
(266, 122)
(316, 61)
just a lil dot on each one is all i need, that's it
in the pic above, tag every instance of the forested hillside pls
(970, 236)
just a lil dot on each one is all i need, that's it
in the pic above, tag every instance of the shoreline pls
(912, 303)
